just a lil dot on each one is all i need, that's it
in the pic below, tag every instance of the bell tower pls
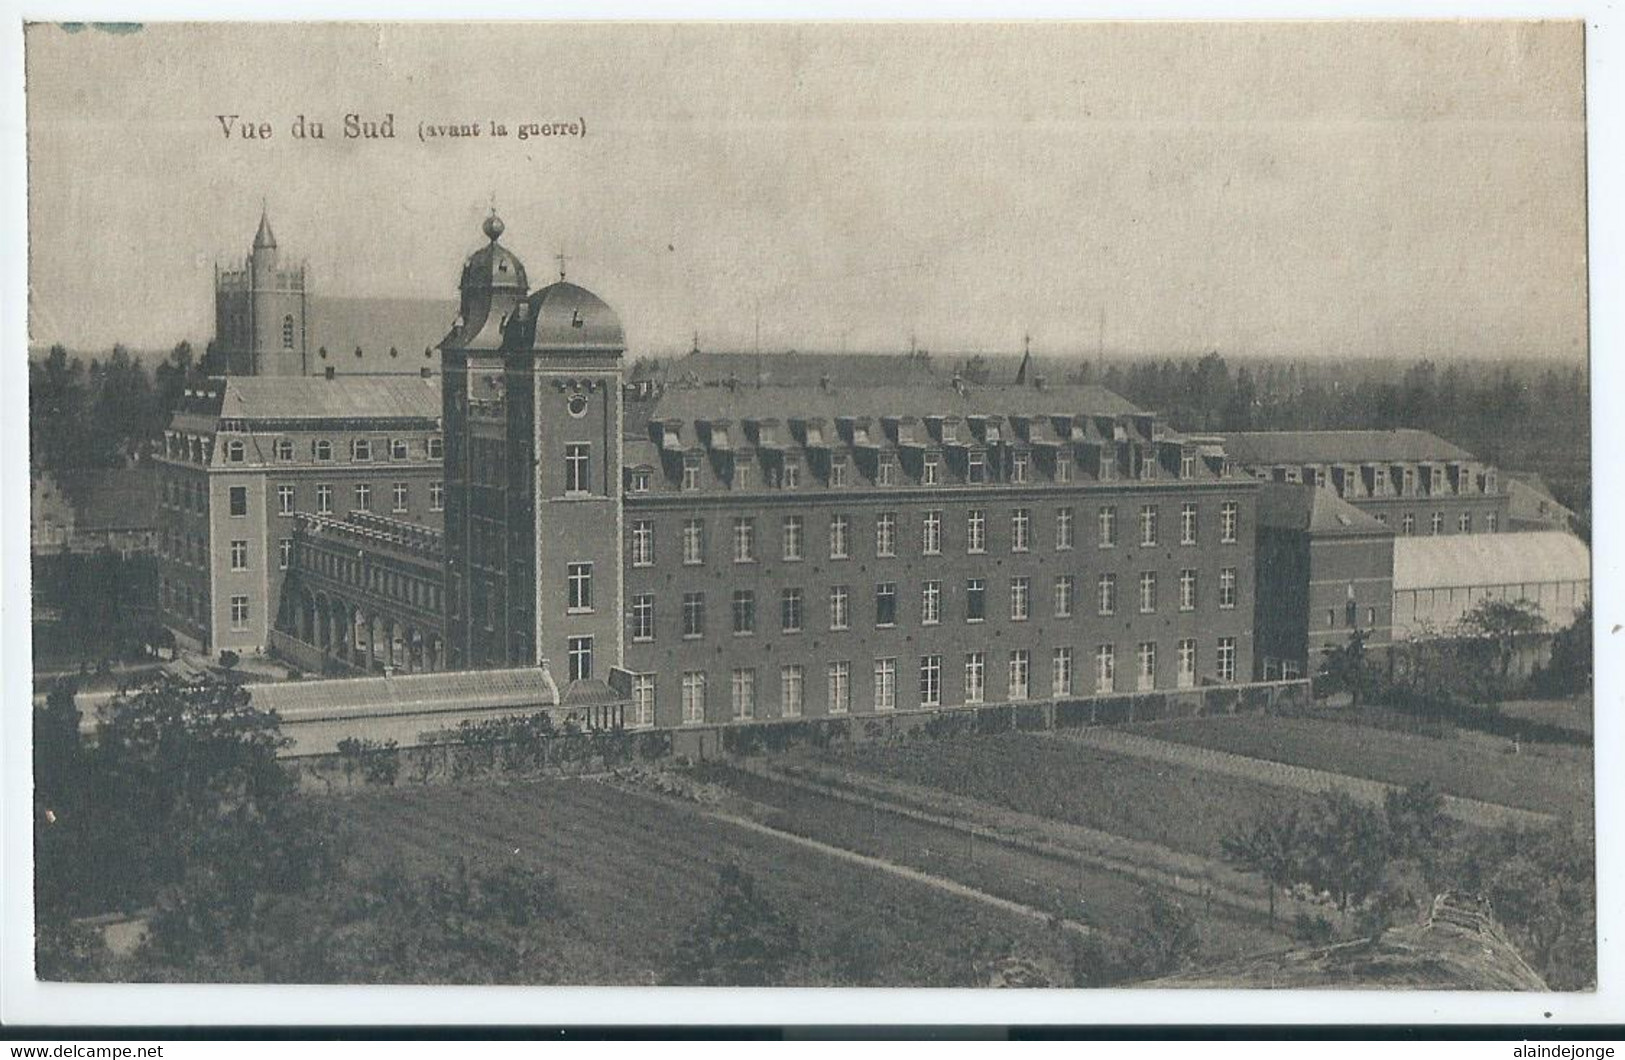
(260, 311)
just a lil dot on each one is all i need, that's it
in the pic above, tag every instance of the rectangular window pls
(975, 678)
(1020, 674)
(580, 655)
(1063, 469)
(1060, 673)
(1105, 668)
(885, 684)
(1436, 523)
(975, 531)
(239, 555)
(399, 496)
(1020, 599)
(1187, 465)
(840, 687)
(435, 447)
(284, 553)
(693, 697)
(360, 449)
(930, 680)
(322, 449)
(397, 449)
(1063, 595)
(837, 471)
(577, 468)
(691, 471)
(1148, 525)
(1187, 664)
(1148, 592)
(643, 699)
(437, 496)
(838, 598)
(1187, 523)
(931, 534)
(363, 497)
(1407, 525)
(1063, 529)
(744, 612)
(238, 499)
(1021, 521)
(792, 680)
(578, 582)
(744, 694)
(1147, 672)
(1490, 522)
(693, 614)
(693, 542)
(931, 472)
(284, 450)
(284, 500)
(975, 600)
(886, 534)
(1229, 513)
(886, 604)
(742, 472)
(839, 525)
(793, 527)
(790, 610)
(643, 617)
(1227, 588)
(1227, 658)
(1108, 527)
(239, 613)
(792, 475)
(1187, 589)
(886, 472)
(1020, 467)
(1106, 588)
(324, 499)
(976, 467)
(641, 480)
(930, 603)
(744, 540)
(643, 543)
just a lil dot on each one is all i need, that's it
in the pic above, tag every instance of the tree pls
(1415, 823)
(1498, 625)
(1345, 669)
(1162, 939)
(742, 940)
(1568, 672)
(1272, 847)
(1346, 849)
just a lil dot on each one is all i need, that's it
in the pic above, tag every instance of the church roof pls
(1257, 448)
(375, 326)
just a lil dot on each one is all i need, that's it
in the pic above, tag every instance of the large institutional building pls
(741, 548)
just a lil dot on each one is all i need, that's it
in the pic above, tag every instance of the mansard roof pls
(1259, 448)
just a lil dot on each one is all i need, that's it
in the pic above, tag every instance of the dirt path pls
(1282, 775)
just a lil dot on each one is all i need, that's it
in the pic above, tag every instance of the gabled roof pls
(1316, 509)
(376, 325)
(1461, 560)
(343, 397)
(1259, 448)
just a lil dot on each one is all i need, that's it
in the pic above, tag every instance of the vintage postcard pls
(1053, 505)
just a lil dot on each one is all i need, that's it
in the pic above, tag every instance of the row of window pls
(793, 605)
(1436, 523)
(321, 449)
(793, 533)
(419, 592)
(743, 685)
(976, 466)
(400, 497)
(1350, 482)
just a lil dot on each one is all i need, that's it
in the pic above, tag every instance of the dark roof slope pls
(343, 397)
(1255, 448)
(1305, 506)
(792, 369)
(852, 398)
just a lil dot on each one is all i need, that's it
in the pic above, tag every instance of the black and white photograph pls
(1040, 506)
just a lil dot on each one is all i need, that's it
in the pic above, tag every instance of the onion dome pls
(492, 285)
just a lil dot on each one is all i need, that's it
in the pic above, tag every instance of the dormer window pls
(792, 475)
(950, 432)
(322, 449)
(742, 474)
(1187, 465)
(1410, 481)
(1489, 482)
(640, 480)
(1379, 481)
(691, 471)
(436, 448)
(1436, 480)
(886, 471)
(931, 471)
(1020, 464)
(976, 467)
(1320, 477)
(837, 471)
(235, 451)
(361, 449)
(284, 449)
(1063, 469)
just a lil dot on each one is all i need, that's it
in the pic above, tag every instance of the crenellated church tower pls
(259, 312)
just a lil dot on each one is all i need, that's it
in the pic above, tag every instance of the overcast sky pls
(1323, 190)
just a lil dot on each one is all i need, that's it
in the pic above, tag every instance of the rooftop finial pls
(264, 239)
(559, 257)
(493, 226)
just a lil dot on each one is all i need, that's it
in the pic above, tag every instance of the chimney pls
(1040, 382)
(823, 382)
(328, 372)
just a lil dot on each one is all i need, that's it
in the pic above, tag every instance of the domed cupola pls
(492, 285)
(563, 318)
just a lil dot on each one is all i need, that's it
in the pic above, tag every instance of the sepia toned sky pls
(1315, 189)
